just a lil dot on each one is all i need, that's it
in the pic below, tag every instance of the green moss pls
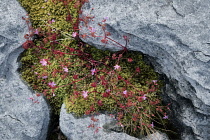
(71, 93)
(41, 12)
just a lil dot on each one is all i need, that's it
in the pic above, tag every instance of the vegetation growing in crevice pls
(58, 65)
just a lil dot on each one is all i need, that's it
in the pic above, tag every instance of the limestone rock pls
(76, 128)
(20, 117)
(175, 35)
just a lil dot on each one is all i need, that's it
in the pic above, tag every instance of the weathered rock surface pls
(20, 117)
(175, 35)
(77, 128)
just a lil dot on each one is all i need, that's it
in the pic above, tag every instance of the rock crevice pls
(174, 35)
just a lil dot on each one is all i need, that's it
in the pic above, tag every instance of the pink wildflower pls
(120, 124)
(44, 77)
(51, 84)
(65, 69)
(85, 94)
(43, 62)
(116, 67)
(165, 117)
(108, 90)
(93, 71)
(152, 124)
(53, 20)
(74, 34)
(125, 92)
(144, 97)
(36, 32)
(155, 82)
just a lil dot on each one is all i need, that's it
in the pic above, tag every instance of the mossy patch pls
(131, 92)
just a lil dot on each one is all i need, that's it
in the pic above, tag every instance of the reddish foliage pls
(69, 18)
(94, 84)
(75, 76)
(119, 77)
(76, 93)
(138, 70)
(155, 102)
(83, 36)
(91, 126)
(106, 94)
(26, 36)
(130, 60)
(77, 4)
(45, 40)
(87, 112)
(28, 44)
(104, 40)
(90, 63)
(94, 119)
(38, 94)
(71, 49)
(107, 33)
(93, 34)
(99, 103)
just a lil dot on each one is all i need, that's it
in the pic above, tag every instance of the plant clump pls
(58, 65)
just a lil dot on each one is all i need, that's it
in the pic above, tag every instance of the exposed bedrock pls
(175, 35)
(83, 128)
(20, 117)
